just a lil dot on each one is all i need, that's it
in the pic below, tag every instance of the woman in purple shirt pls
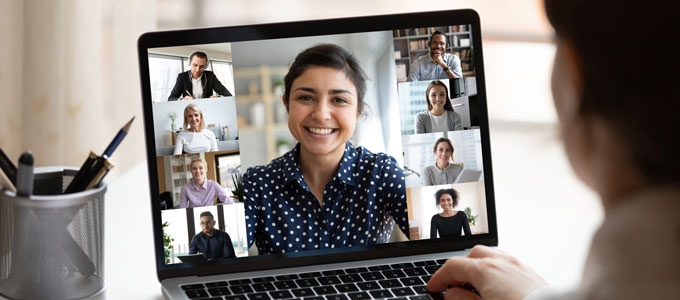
(201, 191)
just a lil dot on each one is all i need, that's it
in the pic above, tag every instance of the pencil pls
(5, 183)
(117, 139)
(8, 168)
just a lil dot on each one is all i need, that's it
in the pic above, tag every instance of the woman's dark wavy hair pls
(630, 74)
(330, 56)
(452, 192)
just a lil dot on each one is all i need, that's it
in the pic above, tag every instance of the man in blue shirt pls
(437, 64)
(211, 242)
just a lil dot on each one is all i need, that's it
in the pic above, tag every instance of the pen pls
(25, 175)
(117, 139)
(8, 168)
(94, 164)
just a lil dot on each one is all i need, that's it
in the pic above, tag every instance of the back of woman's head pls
(630, 72)
(329, 56)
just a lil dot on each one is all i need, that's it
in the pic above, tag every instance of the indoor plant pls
(471, 219)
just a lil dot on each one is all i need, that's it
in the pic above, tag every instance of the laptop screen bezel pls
(305, 29)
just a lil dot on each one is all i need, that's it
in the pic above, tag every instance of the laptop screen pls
(217, 128)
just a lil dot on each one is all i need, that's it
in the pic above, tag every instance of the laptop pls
(248, 126)
(469, 175)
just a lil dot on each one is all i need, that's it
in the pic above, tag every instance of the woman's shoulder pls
(275, 166)
(208, 133)
(422, 114)
(367, 155)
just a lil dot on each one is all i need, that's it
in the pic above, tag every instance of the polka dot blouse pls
(360, 205)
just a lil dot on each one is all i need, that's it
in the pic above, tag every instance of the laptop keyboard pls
(395, 281)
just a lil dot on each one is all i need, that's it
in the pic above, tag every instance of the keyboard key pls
(431, 269)
(372, 276)
(196, 286)
(263, 279)
(425, 263)
(394, 274)
(390, 283)
(356, 270)
(381, 294)
(216, 284)
(347, 288)
(411, 281)
(403, 292)
(263, 287)
(315, 298)
(220, 291)
(379, 268)
(307, 282)
(420, 297)
(368, 285)
(333, 272)
(325, 290)
(359, 296)
(418, 271)
(241, 289)
(329, 280)
(287, 277)
(259, 296)
(281, 294)
(336, 297)
(304, 292)
(240, 281)
(420, 289)
(237, 297)
(311, 275)
(441, 261)
(285, 285)
(402, 265)
(193, 294)
(350, 278)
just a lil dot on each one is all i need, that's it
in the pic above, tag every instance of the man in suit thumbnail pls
(197, 83)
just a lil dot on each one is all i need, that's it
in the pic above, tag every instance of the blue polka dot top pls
(360, 205)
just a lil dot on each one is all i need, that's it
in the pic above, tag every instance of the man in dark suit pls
(197, 82)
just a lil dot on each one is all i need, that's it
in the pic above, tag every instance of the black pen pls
(25, 175)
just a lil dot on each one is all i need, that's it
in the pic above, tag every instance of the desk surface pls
(545, 216)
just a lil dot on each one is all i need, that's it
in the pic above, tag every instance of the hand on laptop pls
(493, 273)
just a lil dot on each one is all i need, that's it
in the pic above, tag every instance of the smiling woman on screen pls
(325, 193)
(440, 115)
(195, 138)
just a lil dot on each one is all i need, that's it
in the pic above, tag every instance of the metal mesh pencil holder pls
(52, 244)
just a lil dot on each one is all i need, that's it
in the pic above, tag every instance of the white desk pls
(545, 217)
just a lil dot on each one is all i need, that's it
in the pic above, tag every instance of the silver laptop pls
(245, 123)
